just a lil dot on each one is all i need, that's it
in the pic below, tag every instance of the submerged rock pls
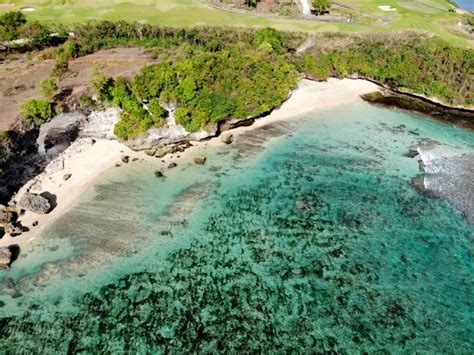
(5, 257)
(199, 159)
(412, 153)
(172, 165)
(159, 174)
(34, 203)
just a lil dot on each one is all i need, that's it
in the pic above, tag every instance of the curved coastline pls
(81, 160)
(86, 168)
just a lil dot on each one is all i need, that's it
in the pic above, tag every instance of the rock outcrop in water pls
(448, 174)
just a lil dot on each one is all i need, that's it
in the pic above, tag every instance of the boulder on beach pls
(199, 159)
(125, 159)
(66, 177)
(5, 257)
(161, 152)
(34, 203)
(6, 215)
(227, 138)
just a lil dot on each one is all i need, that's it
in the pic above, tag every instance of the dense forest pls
(205, 75)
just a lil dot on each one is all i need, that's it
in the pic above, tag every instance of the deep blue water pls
(466, 4)
(303, 236)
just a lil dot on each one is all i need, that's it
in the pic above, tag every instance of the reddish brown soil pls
(19, 78)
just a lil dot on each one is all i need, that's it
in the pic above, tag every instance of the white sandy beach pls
(87, 162)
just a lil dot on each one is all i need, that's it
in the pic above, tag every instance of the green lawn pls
(429, 15)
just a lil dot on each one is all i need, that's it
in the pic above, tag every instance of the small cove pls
(308, 229)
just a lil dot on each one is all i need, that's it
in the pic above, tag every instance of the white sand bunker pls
(28, 9)
(387, 8)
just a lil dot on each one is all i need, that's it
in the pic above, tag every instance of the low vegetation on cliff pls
(205, 75)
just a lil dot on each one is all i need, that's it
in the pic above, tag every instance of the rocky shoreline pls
(461, 117)
(50, 160)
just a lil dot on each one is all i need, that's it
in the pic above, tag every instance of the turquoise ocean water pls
(301, 236)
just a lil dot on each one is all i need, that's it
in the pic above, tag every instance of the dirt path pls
(306, 8)
(306, 44)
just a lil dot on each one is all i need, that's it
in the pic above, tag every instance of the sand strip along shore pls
(87, 162)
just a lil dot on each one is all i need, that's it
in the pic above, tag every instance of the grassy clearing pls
(429, 15)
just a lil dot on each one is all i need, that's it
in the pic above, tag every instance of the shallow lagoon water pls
(303, 235)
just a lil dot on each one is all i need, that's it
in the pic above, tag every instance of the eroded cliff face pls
(26, 155)
(169, 133)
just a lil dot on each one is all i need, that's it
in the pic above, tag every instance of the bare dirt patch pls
(19, 78)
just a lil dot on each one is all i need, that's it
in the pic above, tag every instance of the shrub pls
(48, 88)
(321, 6)
(37, 111)
(101, 84)
(9, 25)
(271, 36)
(86, 102)
(37, 33)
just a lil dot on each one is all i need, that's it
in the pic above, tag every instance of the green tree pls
(37, 111)
(321, 6)
(101, 84)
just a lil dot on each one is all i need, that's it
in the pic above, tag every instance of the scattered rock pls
(35, 223)
(125, 159)
(150, 152)
(66, 177)
(135, 159)
(34, 203)
(227, 138)
(159, 174)
(7, 216)
(234, 123)
(14, 231)
(118, 165)
(172, 165)
(161, 152)
(5, 257)
(199, 160)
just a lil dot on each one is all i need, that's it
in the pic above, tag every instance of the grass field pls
(428, 15)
